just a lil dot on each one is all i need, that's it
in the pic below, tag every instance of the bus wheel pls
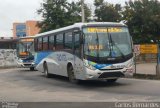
(71, 75)
(111, 80)
(31, 68)
(45, 67)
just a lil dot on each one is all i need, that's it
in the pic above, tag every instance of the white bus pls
(25, 52)
(86, 51)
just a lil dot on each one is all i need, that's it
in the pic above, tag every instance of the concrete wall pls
(8, 58)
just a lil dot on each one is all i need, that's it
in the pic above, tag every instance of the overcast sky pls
(22, 10)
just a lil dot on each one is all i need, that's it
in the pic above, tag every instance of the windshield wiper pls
(113, 43)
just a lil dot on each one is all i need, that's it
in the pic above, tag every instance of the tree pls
(143, 20)
(59, 13)
(107, 12)
(87, 11)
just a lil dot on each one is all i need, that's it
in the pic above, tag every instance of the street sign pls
(149, 49)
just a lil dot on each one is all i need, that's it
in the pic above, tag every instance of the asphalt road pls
(22, 85)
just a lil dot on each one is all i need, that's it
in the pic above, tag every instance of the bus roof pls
(79, 25)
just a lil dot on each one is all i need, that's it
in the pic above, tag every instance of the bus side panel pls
(57, 63)
(38, 59)
(79, 68)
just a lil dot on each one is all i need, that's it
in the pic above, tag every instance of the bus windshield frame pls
(25, 48)
(107, 44)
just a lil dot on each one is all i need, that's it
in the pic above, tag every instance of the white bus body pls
(86, 51)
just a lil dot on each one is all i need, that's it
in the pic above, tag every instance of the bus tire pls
(45, 67)
(31, 68)
(71, 75)
(111, 80)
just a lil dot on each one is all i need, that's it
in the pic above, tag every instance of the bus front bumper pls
(26, 65)
(108, 74)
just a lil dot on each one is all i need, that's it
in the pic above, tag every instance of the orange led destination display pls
(95, 47)
(93, 30)
(27, 40)
(23, 53)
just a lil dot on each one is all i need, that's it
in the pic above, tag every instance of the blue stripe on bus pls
(40, 56)
(98, 66)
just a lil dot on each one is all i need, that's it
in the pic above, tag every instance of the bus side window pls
(68, 41)
(45, 43)
(40, 44)
(51, 43)
(77, 47)
(36, 44)
(59, 41)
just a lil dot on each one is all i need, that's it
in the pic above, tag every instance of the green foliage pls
(143, 20)
(141, 16)
(107, 12)
(60, 13)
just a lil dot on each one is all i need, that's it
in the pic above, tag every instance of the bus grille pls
(111, 74)
(27, 64)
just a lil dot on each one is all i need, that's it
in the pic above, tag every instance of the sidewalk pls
(147, 68)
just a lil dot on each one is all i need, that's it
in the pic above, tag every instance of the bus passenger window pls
(45, 43)
(39, 44)
(59, 41)
(36, 44)
(51, 43)
(68, 40)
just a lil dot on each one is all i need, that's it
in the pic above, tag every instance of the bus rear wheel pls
(71, 75)
(45, 67)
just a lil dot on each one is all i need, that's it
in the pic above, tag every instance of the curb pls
(146, 76)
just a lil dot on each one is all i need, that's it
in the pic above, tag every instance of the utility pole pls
(82, 9)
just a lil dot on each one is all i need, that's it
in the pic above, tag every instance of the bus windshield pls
(108, 42)
(25, 48)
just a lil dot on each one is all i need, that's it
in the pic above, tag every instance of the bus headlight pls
(20, 61)
(129, 67)
(91, 67)
(33, 63)
(130, 64)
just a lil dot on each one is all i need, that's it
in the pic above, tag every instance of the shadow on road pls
(56, 80)
(26, 70)
(87, 83)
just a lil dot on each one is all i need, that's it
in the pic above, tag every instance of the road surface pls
(22, 85)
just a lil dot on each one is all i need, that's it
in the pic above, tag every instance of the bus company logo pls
(61, 57)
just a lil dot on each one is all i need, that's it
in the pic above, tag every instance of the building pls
(29, 28)
(8, 53)
(8, 43)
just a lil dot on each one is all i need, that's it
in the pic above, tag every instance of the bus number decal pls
(61, 57)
